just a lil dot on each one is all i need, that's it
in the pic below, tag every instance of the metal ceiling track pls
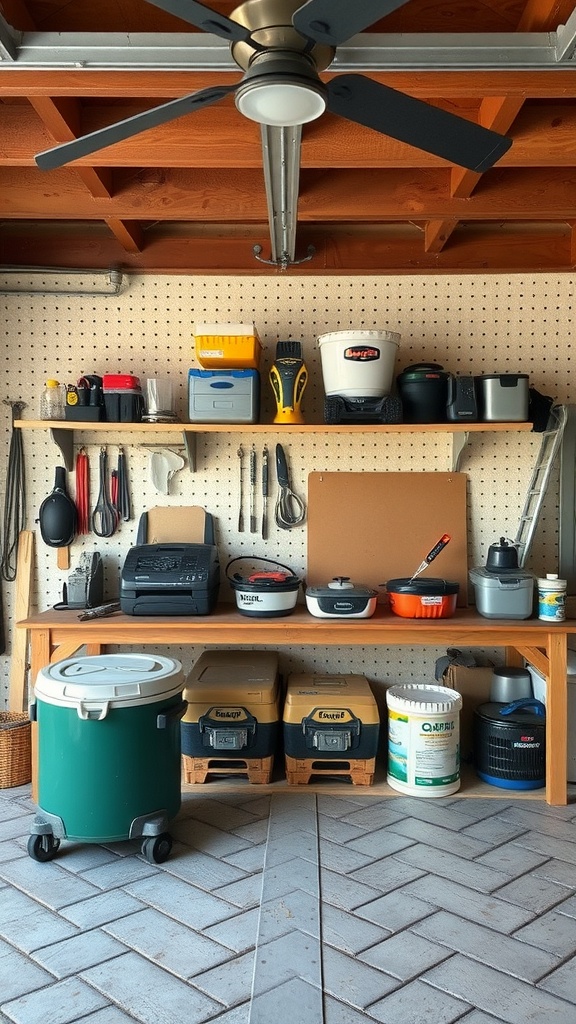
(115, 51)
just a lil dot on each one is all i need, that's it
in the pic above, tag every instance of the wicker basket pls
(15, 749)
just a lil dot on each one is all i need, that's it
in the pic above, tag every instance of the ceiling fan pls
(282, 46)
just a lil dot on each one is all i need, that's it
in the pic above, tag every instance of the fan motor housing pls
(270, 24)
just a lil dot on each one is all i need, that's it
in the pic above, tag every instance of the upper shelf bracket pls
(64, 439)
(190, 445)
(459, 442)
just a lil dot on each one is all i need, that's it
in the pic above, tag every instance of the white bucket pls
(358, 364)
(423, 739)
(552, 598)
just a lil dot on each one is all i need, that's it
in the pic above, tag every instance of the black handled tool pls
(240, 454)
(253, 490)
(265, 493)
(290, 509)
(104, 518)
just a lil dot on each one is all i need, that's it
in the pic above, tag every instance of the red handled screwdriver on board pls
(438, 547)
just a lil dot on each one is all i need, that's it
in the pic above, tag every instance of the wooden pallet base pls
(299, 771)
(198, 769)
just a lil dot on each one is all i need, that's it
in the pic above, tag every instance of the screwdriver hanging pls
(240, 454)
(265, 493)
(253, 528)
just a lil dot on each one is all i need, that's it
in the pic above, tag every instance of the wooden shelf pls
(59, 634)
(62, 431)
(284, 428)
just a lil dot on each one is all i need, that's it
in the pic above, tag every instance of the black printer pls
(170, 579)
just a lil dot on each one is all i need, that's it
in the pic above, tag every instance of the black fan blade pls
(410, 120)
(334, 21)
(68, 151)
(204, 17)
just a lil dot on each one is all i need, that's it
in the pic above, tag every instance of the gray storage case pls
(503, 397)
(223, 396)
(506, 595)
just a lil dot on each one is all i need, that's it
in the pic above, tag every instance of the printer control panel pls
(180, 569)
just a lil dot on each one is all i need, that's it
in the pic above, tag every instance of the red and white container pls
(358, 364)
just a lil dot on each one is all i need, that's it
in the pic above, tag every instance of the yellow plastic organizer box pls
(227, 346)
(233, 720)
(331, 727)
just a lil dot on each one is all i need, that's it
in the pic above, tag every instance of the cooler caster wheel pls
(157, 849)
(43, 847)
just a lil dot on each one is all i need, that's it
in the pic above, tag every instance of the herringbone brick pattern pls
(309, 907)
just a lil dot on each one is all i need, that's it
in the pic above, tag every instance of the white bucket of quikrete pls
(423, 739)
(358, 364)
(552, 598)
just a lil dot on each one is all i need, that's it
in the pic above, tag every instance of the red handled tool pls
(438, 547)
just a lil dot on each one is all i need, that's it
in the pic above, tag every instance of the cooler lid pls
(492, 712)
(424, 698)
(233, 676)
(304, 689)
(424, 586)
(500, 577)
(332, 590)
(120, 679)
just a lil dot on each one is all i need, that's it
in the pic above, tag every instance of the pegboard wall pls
(470, 326)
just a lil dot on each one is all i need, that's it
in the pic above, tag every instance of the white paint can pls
(423, 739)
(552, 598)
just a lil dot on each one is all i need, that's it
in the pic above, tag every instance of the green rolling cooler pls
(108, 762)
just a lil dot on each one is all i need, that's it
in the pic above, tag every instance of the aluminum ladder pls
(549, 448)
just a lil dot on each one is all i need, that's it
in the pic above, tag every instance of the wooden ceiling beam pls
(342, 249)
(497, 113)
(61, 117)
(437, 233)
(540, 84)
(128, 233)
(544, 15)
(544, 135)
(239, 197)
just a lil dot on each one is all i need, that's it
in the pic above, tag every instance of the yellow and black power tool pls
(288, 377)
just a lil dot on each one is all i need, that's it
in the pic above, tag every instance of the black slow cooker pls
(423, 390)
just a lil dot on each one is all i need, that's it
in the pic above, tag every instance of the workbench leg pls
(40, 645)
(557, 720)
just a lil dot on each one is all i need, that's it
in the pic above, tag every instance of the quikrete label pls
(228, 714)
(361, 353)
(331, 715)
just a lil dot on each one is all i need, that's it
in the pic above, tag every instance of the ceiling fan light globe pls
(280, 104)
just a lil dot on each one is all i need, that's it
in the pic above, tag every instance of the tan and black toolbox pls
(233, 720)
(331, 726)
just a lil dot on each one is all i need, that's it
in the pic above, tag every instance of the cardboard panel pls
(374, 527)
(474, 685)
(176, 525)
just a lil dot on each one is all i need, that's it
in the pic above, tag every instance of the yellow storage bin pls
(230, 347)
(331, 727)
(233, 721)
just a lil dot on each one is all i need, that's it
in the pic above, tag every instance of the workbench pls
(55, 635)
